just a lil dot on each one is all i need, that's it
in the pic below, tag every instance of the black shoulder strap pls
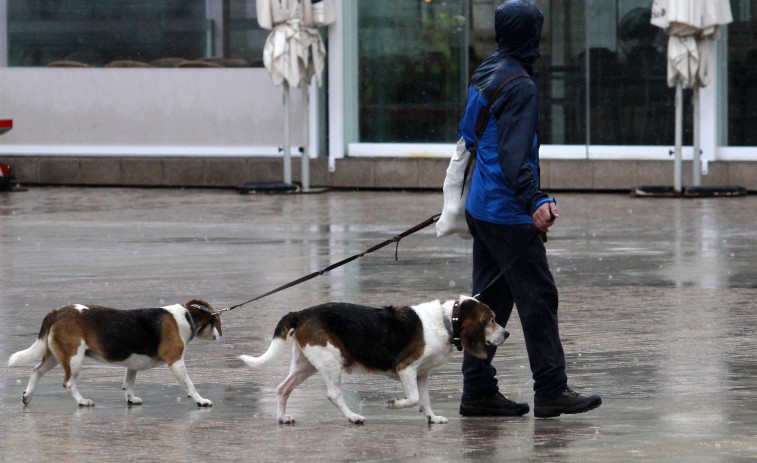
(481, 123)
(483, 114)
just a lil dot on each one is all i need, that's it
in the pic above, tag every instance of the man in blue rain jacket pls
(509, 217)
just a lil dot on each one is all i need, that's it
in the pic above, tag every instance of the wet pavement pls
(657, 316)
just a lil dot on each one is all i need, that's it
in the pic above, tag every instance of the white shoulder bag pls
(452, 219)
(455, 191)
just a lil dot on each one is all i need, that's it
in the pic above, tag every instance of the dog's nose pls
(507, 334)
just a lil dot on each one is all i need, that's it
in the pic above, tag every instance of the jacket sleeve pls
(516, 136)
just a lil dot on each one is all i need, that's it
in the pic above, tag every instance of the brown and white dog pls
(137, 339)
(403, 343)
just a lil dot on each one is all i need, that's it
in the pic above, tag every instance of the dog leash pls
(394, 239)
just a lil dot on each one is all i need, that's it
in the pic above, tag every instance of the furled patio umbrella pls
(692, 27)
(293, 54)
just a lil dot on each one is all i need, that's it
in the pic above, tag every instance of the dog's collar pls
(453, 327)
(192, 323)
(195, 330)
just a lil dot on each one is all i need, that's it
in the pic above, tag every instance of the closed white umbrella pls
(692, 27)
(293, 54)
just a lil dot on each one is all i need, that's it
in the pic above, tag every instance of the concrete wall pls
(131, 111)
(212, 127)
(411, 173)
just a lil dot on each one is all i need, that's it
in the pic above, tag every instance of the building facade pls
(174, 92)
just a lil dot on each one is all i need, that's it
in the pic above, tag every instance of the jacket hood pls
(517, 26)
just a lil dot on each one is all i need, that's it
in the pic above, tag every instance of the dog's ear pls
(472, 325)
(215, 321)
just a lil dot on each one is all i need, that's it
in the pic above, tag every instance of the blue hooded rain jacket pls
(505, 182)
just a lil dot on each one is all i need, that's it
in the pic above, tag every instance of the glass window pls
(742, 72)
(624, 70)
(96, 32)
(412, 70)
(414, 66)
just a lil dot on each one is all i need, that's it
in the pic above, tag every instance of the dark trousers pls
(528, 284)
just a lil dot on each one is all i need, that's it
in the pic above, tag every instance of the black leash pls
(395, 239)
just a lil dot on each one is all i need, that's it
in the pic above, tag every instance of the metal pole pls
(697, 166)
(677, 183)
(287, 146)
(587, 78)
(305, 163)
(3, 33)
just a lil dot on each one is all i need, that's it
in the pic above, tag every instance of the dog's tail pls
(283, 330)
(37, 350)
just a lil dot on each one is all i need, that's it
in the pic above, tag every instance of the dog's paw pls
(25, 399)
(286, 420)
(134, 401)
(392, 404)
(400, 403)
(204, 403)
(356, 419)
(436, 419)
(86, 403)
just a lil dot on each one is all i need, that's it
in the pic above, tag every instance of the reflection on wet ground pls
(657, 315)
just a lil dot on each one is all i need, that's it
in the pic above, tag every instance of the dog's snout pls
(498, 337)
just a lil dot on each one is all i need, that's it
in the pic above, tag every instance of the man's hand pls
(545, 216)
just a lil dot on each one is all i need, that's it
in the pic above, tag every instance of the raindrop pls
(609, 277)
(452, 283)
(733, 254)
(600, 259)
(557, 270)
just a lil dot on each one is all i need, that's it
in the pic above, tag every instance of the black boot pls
(494, 405)
(567, 402)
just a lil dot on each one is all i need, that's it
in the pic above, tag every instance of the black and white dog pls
(403, 343)
(137, 339)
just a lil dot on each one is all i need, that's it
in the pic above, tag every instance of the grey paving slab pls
(657, 315)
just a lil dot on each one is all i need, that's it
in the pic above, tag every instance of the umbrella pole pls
(677, 168)
(697, 166)
(305, 137)
(287, 146)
